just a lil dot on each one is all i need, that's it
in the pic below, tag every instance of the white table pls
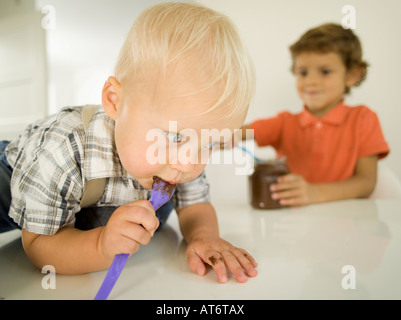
(301, 254)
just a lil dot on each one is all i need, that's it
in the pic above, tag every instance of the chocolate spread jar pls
(265, 174)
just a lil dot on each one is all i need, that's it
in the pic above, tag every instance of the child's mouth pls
(171, 181)
(166, 180)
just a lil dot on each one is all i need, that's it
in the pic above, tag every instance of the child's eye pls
(326, 71)
(212, 145)
(303, 73)
(173, 137)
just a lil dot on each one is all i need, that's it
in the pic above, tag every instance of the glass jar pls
(265, 174)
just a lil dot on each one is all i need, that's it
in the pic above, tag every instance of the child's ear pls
(354, 75)
(111, 94)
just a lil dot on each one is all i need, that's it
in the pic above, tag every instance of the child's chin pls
(146, 182)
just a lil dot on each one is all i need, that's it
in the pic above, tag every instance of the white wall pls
(270, 26)
(83, 46)
(23, 68)
(13, 7)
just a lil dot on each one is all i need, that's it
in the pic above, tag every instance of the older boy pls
(180, 62)
(332, 149)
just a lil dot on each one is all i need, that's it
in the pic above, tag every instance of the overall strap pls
(94, 188)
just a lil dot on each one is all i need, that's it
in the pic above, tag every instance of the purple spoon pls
(161, 192)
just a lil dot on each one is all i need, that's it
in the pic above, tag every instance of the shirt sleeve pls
(46, 188)
(191, 192)
(267, 132)
(371, 138)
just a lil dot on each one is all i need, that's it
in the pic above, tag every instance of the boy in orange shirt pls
(332, 149)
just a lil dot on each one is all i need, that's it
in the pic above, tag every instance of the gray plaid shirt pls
(49, 177)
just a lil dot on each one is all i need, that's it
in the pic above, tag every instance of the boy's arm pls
(69, 251)
(73, 251)
(199, 226)
(360, 185)
(293, 190)
(240, 135)
(243, 131)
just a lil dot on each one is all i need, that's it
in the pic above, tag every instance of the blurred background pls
(56, 53)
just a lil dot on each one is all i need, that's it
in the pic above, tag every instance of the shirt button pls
(318, 125)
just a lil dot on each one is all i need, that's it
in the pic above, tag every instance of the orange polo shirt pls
(326, 149)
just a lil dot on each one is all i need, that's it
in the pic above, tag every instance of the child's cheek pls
(198, 169)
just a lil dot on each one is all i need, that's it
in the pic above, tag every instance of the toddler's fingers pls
(139, 212)
(216, 261)
(195, 263)
(235, 267)
(248, 257)
(213, 258)
(135, 232)
(126, 245)
(141, 203)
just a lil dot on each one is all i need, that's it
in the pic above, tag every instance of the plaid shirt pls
(49, 177)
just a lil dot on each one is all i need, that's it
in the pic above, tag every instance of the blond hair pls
(168, 32)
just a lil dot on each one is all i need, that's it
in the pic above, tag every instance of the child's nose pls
(184, 167)
(311, 79)
(183, 161)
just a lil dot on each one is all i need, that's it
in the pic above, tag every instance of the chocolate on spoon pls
(162, 192)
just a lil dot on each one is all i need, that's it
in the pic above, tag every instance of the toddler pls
(181, 63)
(332, 149)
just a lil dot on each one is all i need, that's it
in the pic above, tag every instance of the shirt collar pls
(101, 157)
(336, 116)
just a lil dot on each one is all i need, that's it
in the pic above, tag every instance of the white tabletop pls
(340, 250)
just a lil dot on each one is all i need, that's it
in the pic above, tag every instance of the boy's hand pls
(220, 255)
(294, 190)
(130, 226)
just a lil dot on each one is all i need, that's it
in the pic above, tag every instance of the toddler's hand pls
(293, 190)
(220, 255)
(130, 226)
